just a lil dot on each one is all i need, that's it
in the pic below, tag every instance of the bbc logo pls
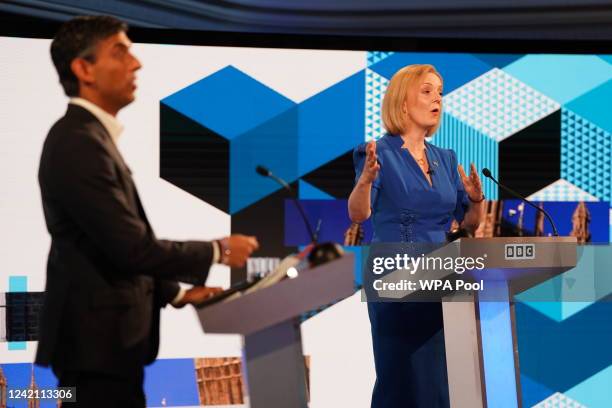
(520, 251)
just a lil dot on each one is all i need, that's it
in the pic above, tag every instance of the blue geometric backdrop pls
(541, 123)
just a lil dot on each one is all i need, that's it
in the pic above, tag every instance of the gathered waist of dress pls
(408, 226)
(405, 234)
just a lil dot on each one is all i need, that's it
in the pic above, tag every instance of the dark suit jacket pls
(107, 273)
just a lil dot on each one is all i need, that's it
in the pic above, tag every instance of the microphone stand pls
(321, 252)
(487, 173)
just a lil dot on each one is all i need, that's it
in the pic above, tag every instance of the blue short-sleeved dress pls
(408, 339)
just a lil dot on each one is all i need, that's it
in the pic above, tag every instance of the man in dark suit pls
(107, 273)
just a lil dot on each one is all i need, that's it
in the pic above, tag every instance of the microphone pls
(320, 253)
(262, 171)
(265, 172)
(431, 170)
(487, 173)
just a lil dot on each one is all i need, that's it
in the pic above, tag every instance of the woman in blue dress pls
(413, 190)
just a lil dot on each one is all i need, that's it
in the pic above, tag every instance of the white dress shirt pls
(110, 123)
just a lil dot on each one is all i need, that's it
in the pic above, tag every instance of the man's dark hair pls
(78, 38)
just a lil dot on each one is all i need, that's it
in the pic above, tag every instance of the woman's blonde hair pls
(401, 86)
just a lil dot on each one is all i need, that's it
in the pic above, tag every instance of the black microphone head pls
(262, 171)
(486, 172)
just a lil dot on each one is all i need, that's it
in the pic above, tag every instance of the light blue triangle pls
(310, 192)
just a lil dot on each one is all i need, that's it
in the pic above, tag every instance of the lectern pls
(479, 326)
(269, 320)
(480, 335)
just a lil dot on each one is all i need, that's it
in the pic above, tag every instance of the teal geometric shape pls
(377, 56)
(550, 309)
(561, 190)
(310, 192)
(498, 60)
(272, 144)
(557, 311)
(571, 308)
(595, 105)
(457, 69)
(229, 102)
(595, 391)
(561, 77)
(532, 391)
(17, 345)
(573, 291)
(560, 355)
(558, 400)
(376, 86)
(357, 271)
(471, 146)
(586, 155)
(330, 123)
(18, 284)
(498, 105)
(607, 58)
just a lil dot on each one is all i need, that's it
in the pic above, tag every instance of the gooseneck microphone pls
(264, 171)
(487, 173)
(320, 253)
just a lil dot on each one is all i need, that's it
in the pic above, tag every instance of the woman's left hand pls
(471, 184)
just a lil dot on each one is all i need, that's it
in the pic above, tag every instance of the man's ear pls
(83, 70)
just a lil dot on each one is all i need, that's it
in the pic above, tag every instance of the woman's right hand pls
(371, 166)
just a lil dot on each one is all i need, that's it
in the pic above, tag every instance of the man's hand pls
(197, 295)
(237, 249)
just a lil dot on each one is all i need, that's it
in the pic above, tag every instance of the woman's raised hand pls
(472, 184)
(371, 166)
